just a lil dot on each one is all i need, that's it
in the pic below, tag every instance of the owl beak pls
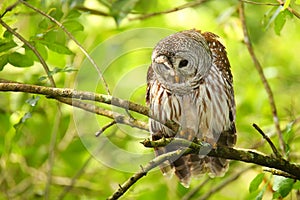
(176, 77)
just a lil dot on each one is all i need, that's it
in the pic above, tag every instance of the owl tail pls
(193, 165)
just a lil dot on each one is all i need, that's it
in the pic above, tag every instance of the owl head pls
(181, 61)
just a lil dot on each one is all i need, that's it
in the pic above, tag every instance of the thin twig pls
(30, 46)
(187, 5)
(224, 184)
(279, 173)
(274, 149)
(144, 170)
(52, 145)
(105, 127)
(73, 180)
(294, 12)
(262, 77)
(260, 3)
(9, 8)
(60, 25)
(93, 11)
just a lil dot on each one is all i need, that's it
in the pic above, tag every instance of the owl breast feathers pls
(190, 83)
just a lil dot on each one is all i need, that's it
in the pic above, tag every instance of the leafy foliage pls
(49, 150)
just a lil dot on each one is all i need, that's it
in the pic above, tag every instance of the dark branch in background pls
(93, 11)
(60, 25)
(187, 5)
(262, 77)
(261, 3)
(194, 191)
(30, 46)
(224, 183)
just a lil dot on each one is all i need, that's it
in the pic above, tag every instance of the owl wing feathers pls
(211, 106)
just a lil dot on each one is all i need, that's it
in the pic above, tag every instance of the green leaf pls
(19, 60)
(7, 35)
(121, 8)
(73, 14)
(3, 61)
(271, 15)
(57, 47)
(256, 182)
(296, 185)
(282, 186)
(40, 48)
(73, 26)
(280, 21)
(4, 46)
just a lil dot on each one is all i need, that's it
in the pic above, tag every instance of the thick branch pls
(52, 92)
(232, 154)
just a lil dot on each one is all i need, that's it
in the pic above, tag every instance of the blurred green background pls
(46, 146)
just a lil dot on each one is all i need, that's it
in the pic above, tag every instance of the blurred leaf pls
(296, 185)
(19, 60)
(8, 35)
(121, 8)
(56, 47)
(256, 182)
(3, 61)
(280, 21)
(44, 24)
(56, 13)
(55, 35)
(73, 14)
(282, 186)
(297, 1)
(271, 15)
(261, 194)
(33, 100)
(106, 3)
(73, 26)
(4, 46)
(286, 4)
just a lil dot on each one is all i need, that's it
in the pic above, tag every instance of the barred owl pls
(189, 82)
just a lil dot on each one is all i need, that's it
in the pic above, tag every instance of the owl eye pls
(183, 63)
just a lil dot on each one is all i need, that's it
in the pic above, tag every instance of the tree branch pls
(247, 156)
(187, 5)
(262, 77)
(187, 147)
